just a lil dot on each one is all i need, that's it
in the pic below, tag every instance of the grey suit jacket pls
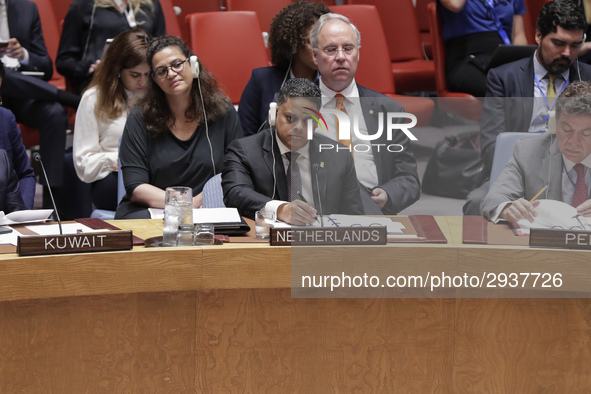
(503, 111)
(536, 162)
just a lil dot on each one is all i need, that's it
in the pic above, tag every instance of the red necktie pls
(581, 191)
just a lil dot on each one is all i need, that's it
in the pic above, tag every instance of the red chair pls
(173, 27)
(461, 104)
(375, 70)
(425, 30)
(265, 9)
(191, 6)
(51, 35)
(412, 72)
(230, 45)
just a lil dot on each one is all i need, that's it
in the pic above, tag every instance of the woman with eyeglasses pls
(118, 84)
(88, 26)
(292, 56)
(178, 135)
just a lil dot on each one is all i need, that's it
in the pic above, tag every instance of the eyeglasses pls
(347, 50)
(177, 66)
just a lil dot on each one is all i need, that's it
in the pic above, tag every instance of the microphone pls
(315, 168)
(37, 157)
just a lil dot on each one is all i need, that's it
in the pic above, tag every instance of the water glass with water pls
(263, 221)
(178, 209)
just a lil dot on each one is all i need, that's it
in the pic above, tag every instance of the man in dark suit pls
(261, 171)
(519, 94)
(386, 168)
(10, 195)
(34, 101)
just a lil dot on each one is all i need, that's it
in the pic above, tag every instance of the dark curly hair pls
(563, 13)
(300, 87)
(155, 108)
(289, 28)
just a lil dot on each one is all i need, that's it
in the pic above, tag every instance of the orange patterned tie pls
(340, 106)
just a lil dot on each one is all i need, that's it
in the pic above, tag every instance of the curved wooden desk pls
(221, 319)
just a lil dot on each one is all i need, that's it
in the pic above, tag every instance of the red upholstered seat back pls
(230, 45)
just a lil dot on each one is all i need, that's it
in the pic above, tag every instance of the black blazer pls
(25, 25)
(247, 178)
(261, 89)
(397, 172)
(512, 80)
(10, 195)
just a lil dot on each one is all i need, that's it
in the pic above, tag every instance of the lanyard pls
(550, 107)
(128, 13)
(498, 24)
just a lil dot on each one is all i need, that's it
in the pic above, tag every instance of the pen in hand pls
(301, 197)
(538, 195)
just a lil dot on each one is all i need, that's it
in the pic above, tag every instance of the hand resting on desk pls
(297, 213)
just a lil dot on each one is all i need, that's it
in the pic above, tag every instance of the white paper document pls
(555, 214)
(68, 228)
(205, 215)
(26, 216)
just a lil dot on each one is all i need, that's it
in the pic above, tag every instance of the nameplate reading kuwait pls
(560, 238)
(74, 243)
(328, 236)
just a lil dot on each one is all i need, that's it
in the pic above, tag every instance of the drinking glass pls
(178, 209)
(263, 221)
(204, 234)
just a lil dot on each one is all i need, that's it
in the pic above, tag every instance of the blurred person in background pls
(12, 143)
(118, 84)
(471, 34)
(88, 26)
(291, 54)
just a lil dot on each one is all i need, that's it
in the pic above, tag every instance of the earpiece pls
(272, 113)
(552, 122)
(583, 42)
(193, 61)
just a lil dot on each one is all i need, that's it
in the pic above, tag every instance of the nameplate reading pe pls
(560, 238)
(74, 243)
(328, 236)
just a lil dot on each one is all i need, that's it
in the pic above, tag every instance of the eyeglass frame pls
(171, 67)
(342, 50)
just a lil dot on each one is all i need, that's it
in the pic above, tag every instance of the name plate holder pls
(325, 236)
(35, 245)
(570, 239)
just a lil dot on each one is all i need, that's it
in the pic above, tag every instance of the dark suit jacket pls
(12, 143)
(397, 172)
(10, 195)
(512, 80)
(264, 84)
(24, 25)
(247, 178)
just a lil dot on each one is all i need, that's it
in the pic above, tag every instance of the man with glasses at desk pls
(389, 180)
(560, 159)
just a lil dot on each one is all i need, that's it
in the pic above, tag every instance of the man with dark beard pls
(519, 95)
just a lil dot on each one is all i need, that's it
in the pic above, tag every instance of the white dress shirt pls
(540, 107)
(365, 165)
(303, 162)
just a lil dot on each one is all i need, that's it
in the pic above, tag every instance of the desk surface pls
(251, 265)
(221, 319)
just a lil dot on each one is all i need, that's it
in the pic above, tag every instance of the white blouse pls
(96, 144)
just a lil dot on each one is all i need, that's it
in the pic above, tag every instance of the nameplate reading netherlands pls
(74, 243)
(560, 238)
(329, 236)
